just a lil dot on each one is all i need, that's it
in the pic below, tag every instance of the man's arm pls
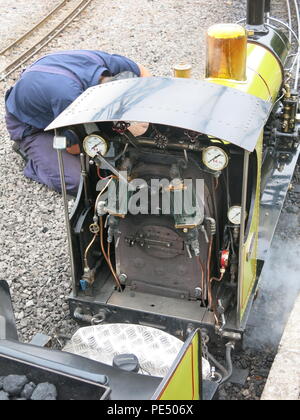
(59, 104)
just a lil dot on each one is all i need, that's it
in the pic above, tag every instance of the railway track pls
(44, 40)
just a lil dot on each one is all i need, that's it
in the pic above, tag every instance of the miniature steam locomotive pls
(183, 182)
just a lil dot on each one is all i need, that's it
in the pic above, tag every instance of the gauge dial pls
(215, 158)
(235, 215)
(95, 144)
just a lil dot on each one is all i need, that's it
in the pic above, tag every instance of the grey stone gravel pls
(19, 16)
(13, 384)
(4, 396)
(28, 391)
(18, 388)
(33, 245)
(44, 392)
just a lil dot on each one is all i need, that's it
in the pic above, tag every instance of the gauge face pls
(235, 215)
(215, 158)
(95, 144)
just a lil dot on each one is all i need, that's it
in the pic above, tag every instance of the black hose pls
(229, 348)
(217, 364)
(227, 373)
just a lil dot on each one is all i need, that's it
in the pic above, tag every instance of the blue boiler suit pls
(46, 89)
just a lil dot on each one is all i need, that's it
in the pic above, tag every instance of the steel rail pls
(34, 28)
(31, 52)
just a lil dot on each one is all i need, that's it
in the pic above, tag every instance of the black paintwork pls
(123, 385)
(275, 41)
(255, 12)
(273, 196)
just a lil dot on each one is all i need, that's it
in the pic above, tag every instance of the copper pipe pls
(101, 238)
(105, 255)
(87, 251)
(211, 304)
(111, 266)
(216, 319)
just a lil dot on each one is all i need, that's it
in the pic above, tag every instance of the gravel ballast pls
(33, 248)
(18, 387)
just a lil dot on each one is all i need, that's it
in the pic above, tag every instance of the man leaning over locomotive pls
(44, 90)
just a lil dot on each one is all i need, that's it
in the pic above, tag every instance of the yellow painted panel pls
(184, 383)
(264, 80)
(249, 251)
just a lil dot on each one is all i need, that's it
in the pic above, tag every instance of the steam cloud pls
(279, 287)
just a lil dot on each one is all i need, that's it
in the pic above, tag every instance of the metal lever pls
(60, 144)
(100, 158)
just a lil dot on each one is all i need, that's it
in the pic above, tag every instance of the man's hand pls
(138, 129)
(72, 141)
(74, 150)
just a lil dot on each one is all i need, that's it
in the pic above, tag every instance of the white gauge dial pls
(235, 215)
(215, 158)
(95, 144)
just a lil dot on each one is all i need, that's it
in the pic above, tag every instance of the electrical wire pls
(208, 268)
(217, 279)
(280, 22)
(101, 193)
(111, 266)
(202, 278)
(298, 57)
(296, 61)
(101, 177)
(96, 234)
(101, 231)
(286, 26)
(290, 18)
(291, 32)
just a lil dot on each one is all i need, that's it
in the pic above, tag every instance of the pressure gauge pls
(215, 158)
(95, 144)
(235, 215)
